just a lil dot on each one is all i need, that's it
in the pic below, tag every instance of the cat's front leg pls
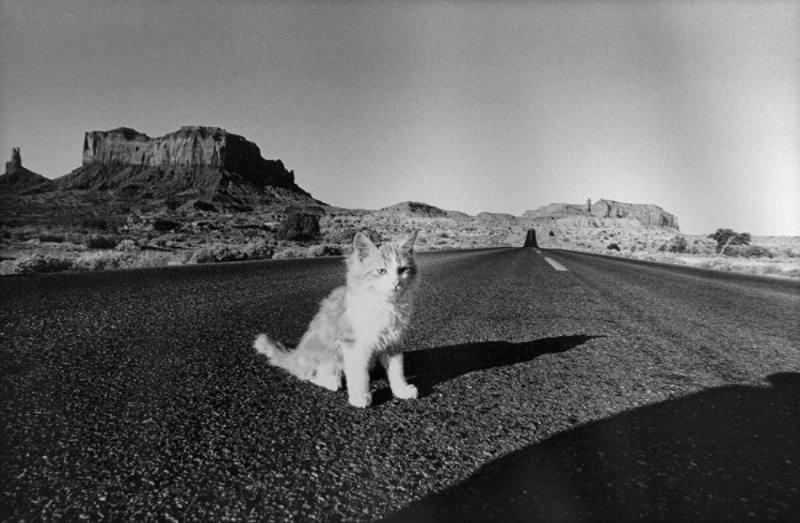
(393, 363)
(356, 371)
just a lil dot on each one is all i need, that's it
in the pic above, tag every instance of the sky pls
(466, 105)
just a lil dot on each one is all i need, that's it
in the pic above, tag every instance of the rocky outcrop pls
(557, 210)
(418, 211)
(16, 161)
(17, 179)
(188, 148)
(411, 210)
(647, 214)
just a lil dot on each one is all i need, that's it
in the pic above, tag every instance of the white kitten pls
(357, 324)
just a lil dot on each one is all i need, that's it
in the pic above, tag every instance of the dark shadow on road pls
(426, 368)
(727, 453)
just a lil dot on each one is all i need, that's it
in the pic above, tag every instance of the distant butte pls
(203, 166)
(646, 214)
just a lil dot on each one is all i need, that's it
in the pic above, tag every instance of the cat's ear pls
(363, 246)
(407, 245)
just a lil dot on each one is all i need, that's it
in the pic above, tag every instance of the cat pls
(358, 323)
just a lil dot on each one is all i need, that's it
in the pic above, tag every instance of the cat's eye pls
(380, 271)
(402, 270)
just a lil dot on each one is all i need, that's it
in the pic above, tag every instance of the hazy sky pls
(474, 106)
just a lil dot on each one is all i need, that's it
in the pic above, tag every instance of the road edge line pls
(557, 266)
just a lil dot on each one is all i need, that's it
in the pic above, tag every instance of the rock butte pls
(204, 168)
(646, 214)
(189, 147)
(18, 179)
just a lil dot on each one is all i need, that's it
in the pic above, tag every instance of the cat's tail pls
(278, 355)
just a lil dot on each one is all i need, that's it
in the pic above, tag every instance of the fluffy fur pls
(357, 324)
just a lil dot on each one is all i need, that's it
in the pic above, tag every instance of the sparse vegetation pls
(37, 263)
(97, 241)
(48, 237)
(316, 251)
(225, 253)
(749, 251)
(146, 239)
(42, 263)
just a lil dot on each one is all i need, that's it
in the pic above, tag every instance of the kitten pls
(358, 323)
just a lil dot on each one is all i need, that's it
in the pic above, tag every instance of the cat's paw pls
(407, 392)
(329, 382)
(361, 400)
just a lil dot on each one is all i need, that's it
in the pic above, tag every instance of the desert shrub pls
(718, 264)
(613, 247)
(213, 254)
(341, 234)
(316, 251)
(51, 237)
(161, 241)
(153, 259)
(97, 224)
(299, 227)
(8, 267)
(749, 251)
(127, 245)
(345, 235)
(675, 244)
(791, 272)
(111, 260)
(99, 261)
(40, 263)
(222, 253)
(258, 250)
(97, 241)
(289, 253)
(702, 246)
(164, 225)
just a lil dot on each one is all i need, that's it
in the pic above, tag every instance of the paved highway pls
(604, 389)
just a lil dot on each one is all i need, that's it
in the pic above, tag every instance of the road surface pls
(605, 389)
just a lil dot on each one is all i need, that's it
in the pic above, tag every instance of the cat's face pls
(388, 270)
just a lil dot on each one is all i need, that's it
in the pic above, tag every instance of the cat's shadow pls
(426, 368)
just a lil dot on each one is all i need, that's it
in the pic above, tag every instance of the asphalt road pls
(612, 389)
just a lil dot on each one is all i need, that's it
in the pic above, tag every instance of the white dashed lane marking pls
(557, 266)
